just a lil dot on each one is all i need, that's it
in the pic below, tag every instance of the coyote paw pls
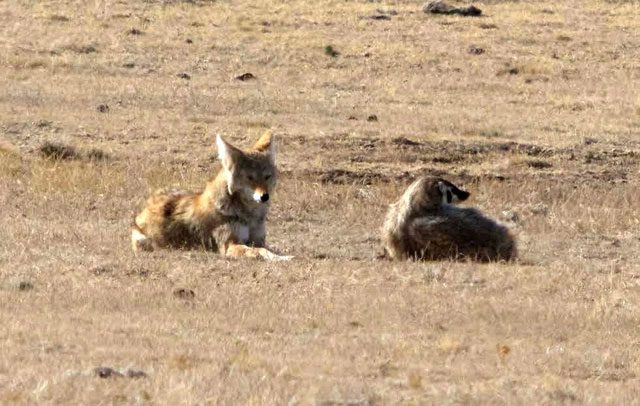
(270, 256)
(140, 242)
(283, 258)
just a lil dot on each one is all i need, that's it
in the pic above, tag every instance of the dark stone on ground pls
(245, 76)
(107, 372)
(440, 7)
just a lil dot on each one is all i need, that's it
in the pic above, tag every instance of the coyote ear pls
(266, 143)
(228, 155)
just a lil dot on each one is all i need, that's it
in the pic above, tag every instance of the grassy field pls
(533, 107)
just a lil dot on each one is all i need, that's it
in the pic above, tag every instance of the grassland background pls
(543, 128)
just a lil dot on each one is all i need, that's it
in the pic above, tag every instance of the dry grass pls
(542, 127)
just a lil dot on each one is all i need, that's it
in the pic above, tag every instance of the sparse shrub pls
(10, 160)
(54, 150)
(59, 151)
(538, 164)
(329, 50)
(96, 154)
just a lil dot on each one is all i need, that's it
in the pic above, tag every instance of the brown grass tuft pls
(58, 151)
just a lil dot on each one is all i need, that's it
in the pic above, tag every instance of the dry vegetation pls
(543, 127)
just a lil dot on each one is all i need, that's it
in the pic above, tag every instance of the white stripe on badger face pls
(454, 198)
(448, 196)
(443, 192)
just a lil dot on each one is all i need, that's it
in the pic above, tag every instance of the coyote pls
(229, 215)
(424, 224)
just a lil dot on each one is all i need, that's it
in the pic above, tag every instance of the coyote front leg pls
(240, 250)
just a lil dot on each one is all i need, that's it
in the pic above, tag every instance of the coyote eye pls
(251, 177)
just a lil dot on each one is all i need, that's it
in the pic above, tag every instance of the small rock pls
(476, 50)
(245, 76)
(129, 65)
(8, 148)
(43, 124)
(183, 75)
(103, 108)
(188, 41)
(107, 372)
(134, 31)
(136, 374)
(372, 117)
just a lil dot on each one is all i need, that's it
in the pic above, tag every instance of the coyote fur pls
(424, 224)
(228, 216)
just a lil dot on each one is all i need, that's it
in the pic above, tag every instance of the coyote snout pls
(229, 215)
(261, 196)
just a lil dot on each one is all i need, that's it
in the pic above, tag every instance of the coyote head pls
(431, 192)
(250, 173)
